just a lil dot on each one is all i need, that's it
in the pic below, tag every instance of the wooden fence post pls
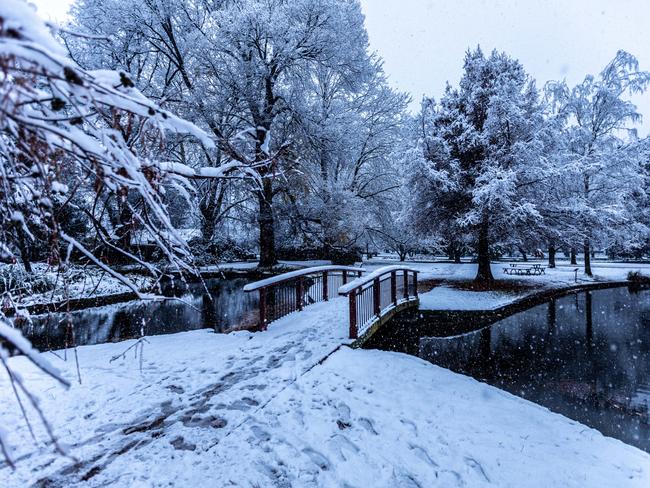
(353, 315)
(262, 308)
(376, 295)
(299, 294)
(393, 287)
(415, 284)
(406, 284)
(326, 294)
(345, 277)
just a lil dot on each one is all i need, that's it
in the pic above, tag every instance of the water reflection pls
(223, 306)
(586, 356)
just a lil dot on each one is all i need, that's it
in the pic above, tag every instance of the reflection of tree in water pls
(220, 304)
(587, 356)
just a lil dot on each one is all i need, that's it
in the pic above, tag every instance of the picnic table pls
(532, 270)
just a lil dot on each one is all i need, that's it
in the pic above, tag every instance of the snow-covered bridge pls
(373, 299)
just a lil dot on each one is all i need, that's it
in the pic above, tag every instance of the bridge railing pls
(375, 294)
(290, 292)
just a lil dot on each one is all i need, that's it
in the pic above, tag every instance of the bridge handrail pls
(370, 301)
(378, 273)
(275, 280)
(290, 292)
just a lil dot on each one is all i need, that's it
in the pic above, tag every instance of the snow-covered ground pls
(194, 389)
(562, 274)
(82, 281)
(290, 407)
(446, 297)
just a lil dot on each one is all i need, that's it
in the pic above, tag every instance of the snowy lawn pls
(446, 296)
(372, 418)
(260, 410)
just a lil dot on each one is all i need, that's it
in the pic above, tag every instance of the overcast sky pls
(423, 41)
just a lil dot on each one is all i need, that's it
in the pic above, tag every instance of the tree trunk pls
(484, 273)
(266, 224)
(207, 227)
(551, 255)
(125, 226)
(574, 257)
(457, 256)
(24, 256)
(523, 254)
(587, 258)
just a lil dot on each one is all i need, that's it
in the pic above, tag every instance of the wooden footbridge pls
(373, 299)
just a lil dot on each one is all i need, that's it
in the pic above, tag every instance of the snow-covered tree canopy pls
(76, 138)
(68, 133)
(285, 87)
(483, 147)
(604, 179)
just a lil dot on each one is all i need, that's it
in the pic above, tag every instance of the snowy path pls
(195, 388)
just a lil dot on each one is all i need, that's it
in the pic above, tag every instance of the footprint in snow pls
(476, 466)
(368, 425)
(412, 427)
(344, 412)
(260, 433)
(343, 446)
(180, 444)
(243, 404)
(317, 458)
(406, 480)
(423, 455)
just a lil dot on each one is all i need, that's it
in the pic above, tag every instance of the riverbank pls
(449, 287)
(291, 407)
(89, 286)
(451, 303)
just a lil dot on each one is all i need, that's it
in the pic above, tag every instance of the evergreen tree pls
(483, 150)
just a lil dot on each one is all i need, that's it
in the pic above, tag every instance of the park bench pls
(533, 270)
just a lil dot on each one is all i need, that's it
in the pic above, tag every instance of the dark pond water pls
(586, 356)
(221, 307)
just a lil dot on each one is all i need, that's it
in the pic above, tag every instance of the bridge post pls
(326, 294)
(393, 287)
(406, 284)
(376, 295)
(299, 294)
(354, 333)
(345, 277)
(415, 284)
(262, 324)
